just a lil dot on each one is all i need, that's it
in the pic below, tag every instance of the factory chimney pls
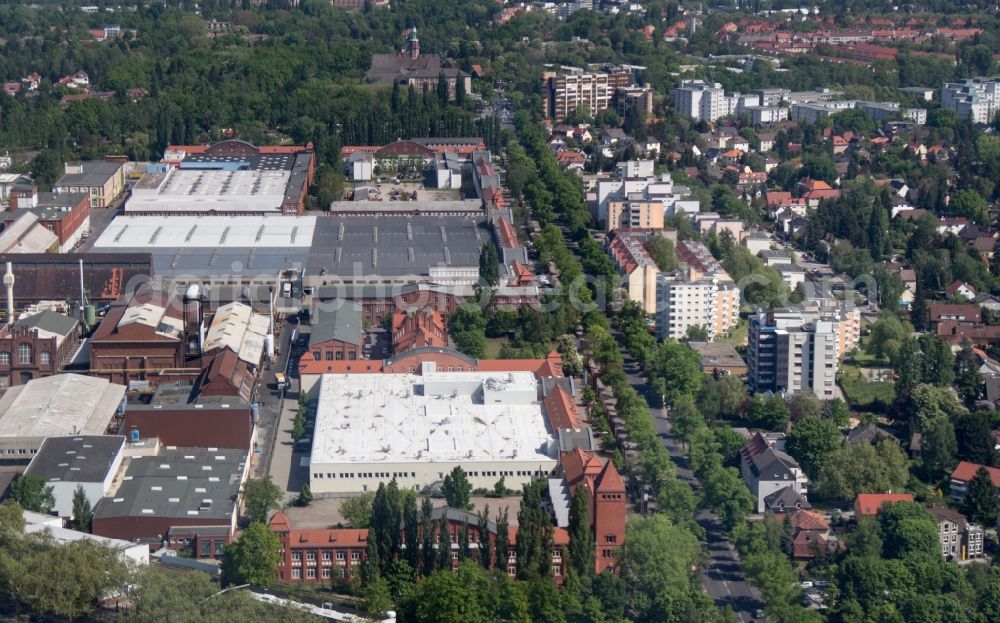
(8, 282)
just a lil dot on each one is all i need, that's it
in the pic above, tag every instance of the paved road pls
(722, 575)
(286, 462)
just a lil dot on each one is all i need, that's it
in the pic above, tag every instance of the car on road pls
(806, 584)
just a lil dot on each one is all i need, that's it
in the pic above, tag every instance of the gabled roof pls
(869, 504)
(48, 321)
(805, 519)
(966, 471)
(560, 410)
(342, 324)
(786, 498)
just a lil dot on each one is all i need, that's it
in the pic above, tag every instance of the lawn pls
(861, 393)
(737, 337)
(493, 345)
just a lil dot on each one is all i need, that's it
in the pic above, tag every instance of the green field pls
(861, 393)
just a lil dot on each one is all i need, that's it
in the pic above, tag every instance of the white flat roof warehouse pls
(177, 232)
(387, 418)
(418, 427)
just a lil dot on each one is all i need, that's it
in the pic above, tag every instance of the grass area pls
(862, 359)
(861, 393)
(738, 336)
(493, 345)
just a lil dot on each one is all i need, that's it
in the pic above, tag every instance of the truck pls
(280, 381)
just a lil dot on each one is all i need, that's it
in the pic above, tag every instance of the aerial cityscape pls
(587, 311)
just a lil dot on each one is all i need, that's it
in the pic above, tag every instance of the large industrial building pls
(416, 428)
(297, 255)
(65, 404)
(176, 487)
(231, 177)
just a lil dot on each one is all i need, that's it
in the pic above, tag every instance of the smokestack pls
(8, 282)
(82, 303)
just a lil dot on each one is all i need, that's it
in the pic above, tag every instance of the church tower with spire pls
(414, 44)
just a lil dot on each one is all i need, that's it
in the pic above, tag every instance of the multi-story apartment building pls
(636, 181)
(766, 114)
(637, 269)
(635, 213)
(703, 100)
(771, 97)
(634, 97)
(700, 295)
(975, 99)
(569, 91)
(793, 350)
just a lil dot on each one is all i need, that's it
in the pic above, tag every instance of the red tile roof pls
(966, 471)
(560, 410)
(869, 504)
(610, 481)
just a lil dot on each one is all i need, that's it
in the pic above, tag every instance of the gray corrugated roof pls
(394, 245)
(94, 174)
(81, 458)
(176, 483)
(342, 323)
(50, 321)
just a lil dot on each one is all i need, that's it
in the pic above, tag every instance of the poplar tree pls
(501, 546)
(581, 538)
(485, 552)
(427, 537)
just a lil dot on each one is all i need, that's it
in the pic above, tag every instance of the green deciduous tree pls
(887, 335)
(357, 509)
(908, 530)
(32, 493)
(252, 558)
(467, 327)
(675, 371)
(457, 489)
(812, 440)
(859, 468)
(260, 497)
(769, 412)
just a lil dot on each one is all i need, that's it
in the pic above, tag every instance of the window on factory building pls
(5, 358)
(24, 353)
(45, 358)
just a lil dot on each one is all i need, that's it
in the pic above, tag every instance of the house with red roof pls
(869, 504)
(966, 471)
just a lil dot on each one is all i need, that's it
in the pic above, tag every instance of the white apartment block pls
(685, 300)
(702, 100)
(636, 182)
(975, 99)
(760, 115)
(878, 111)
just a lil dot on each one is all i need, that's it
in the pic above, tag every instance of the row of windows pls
(320, 475)
(339, 355)
(311, 556)
(24, 356)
